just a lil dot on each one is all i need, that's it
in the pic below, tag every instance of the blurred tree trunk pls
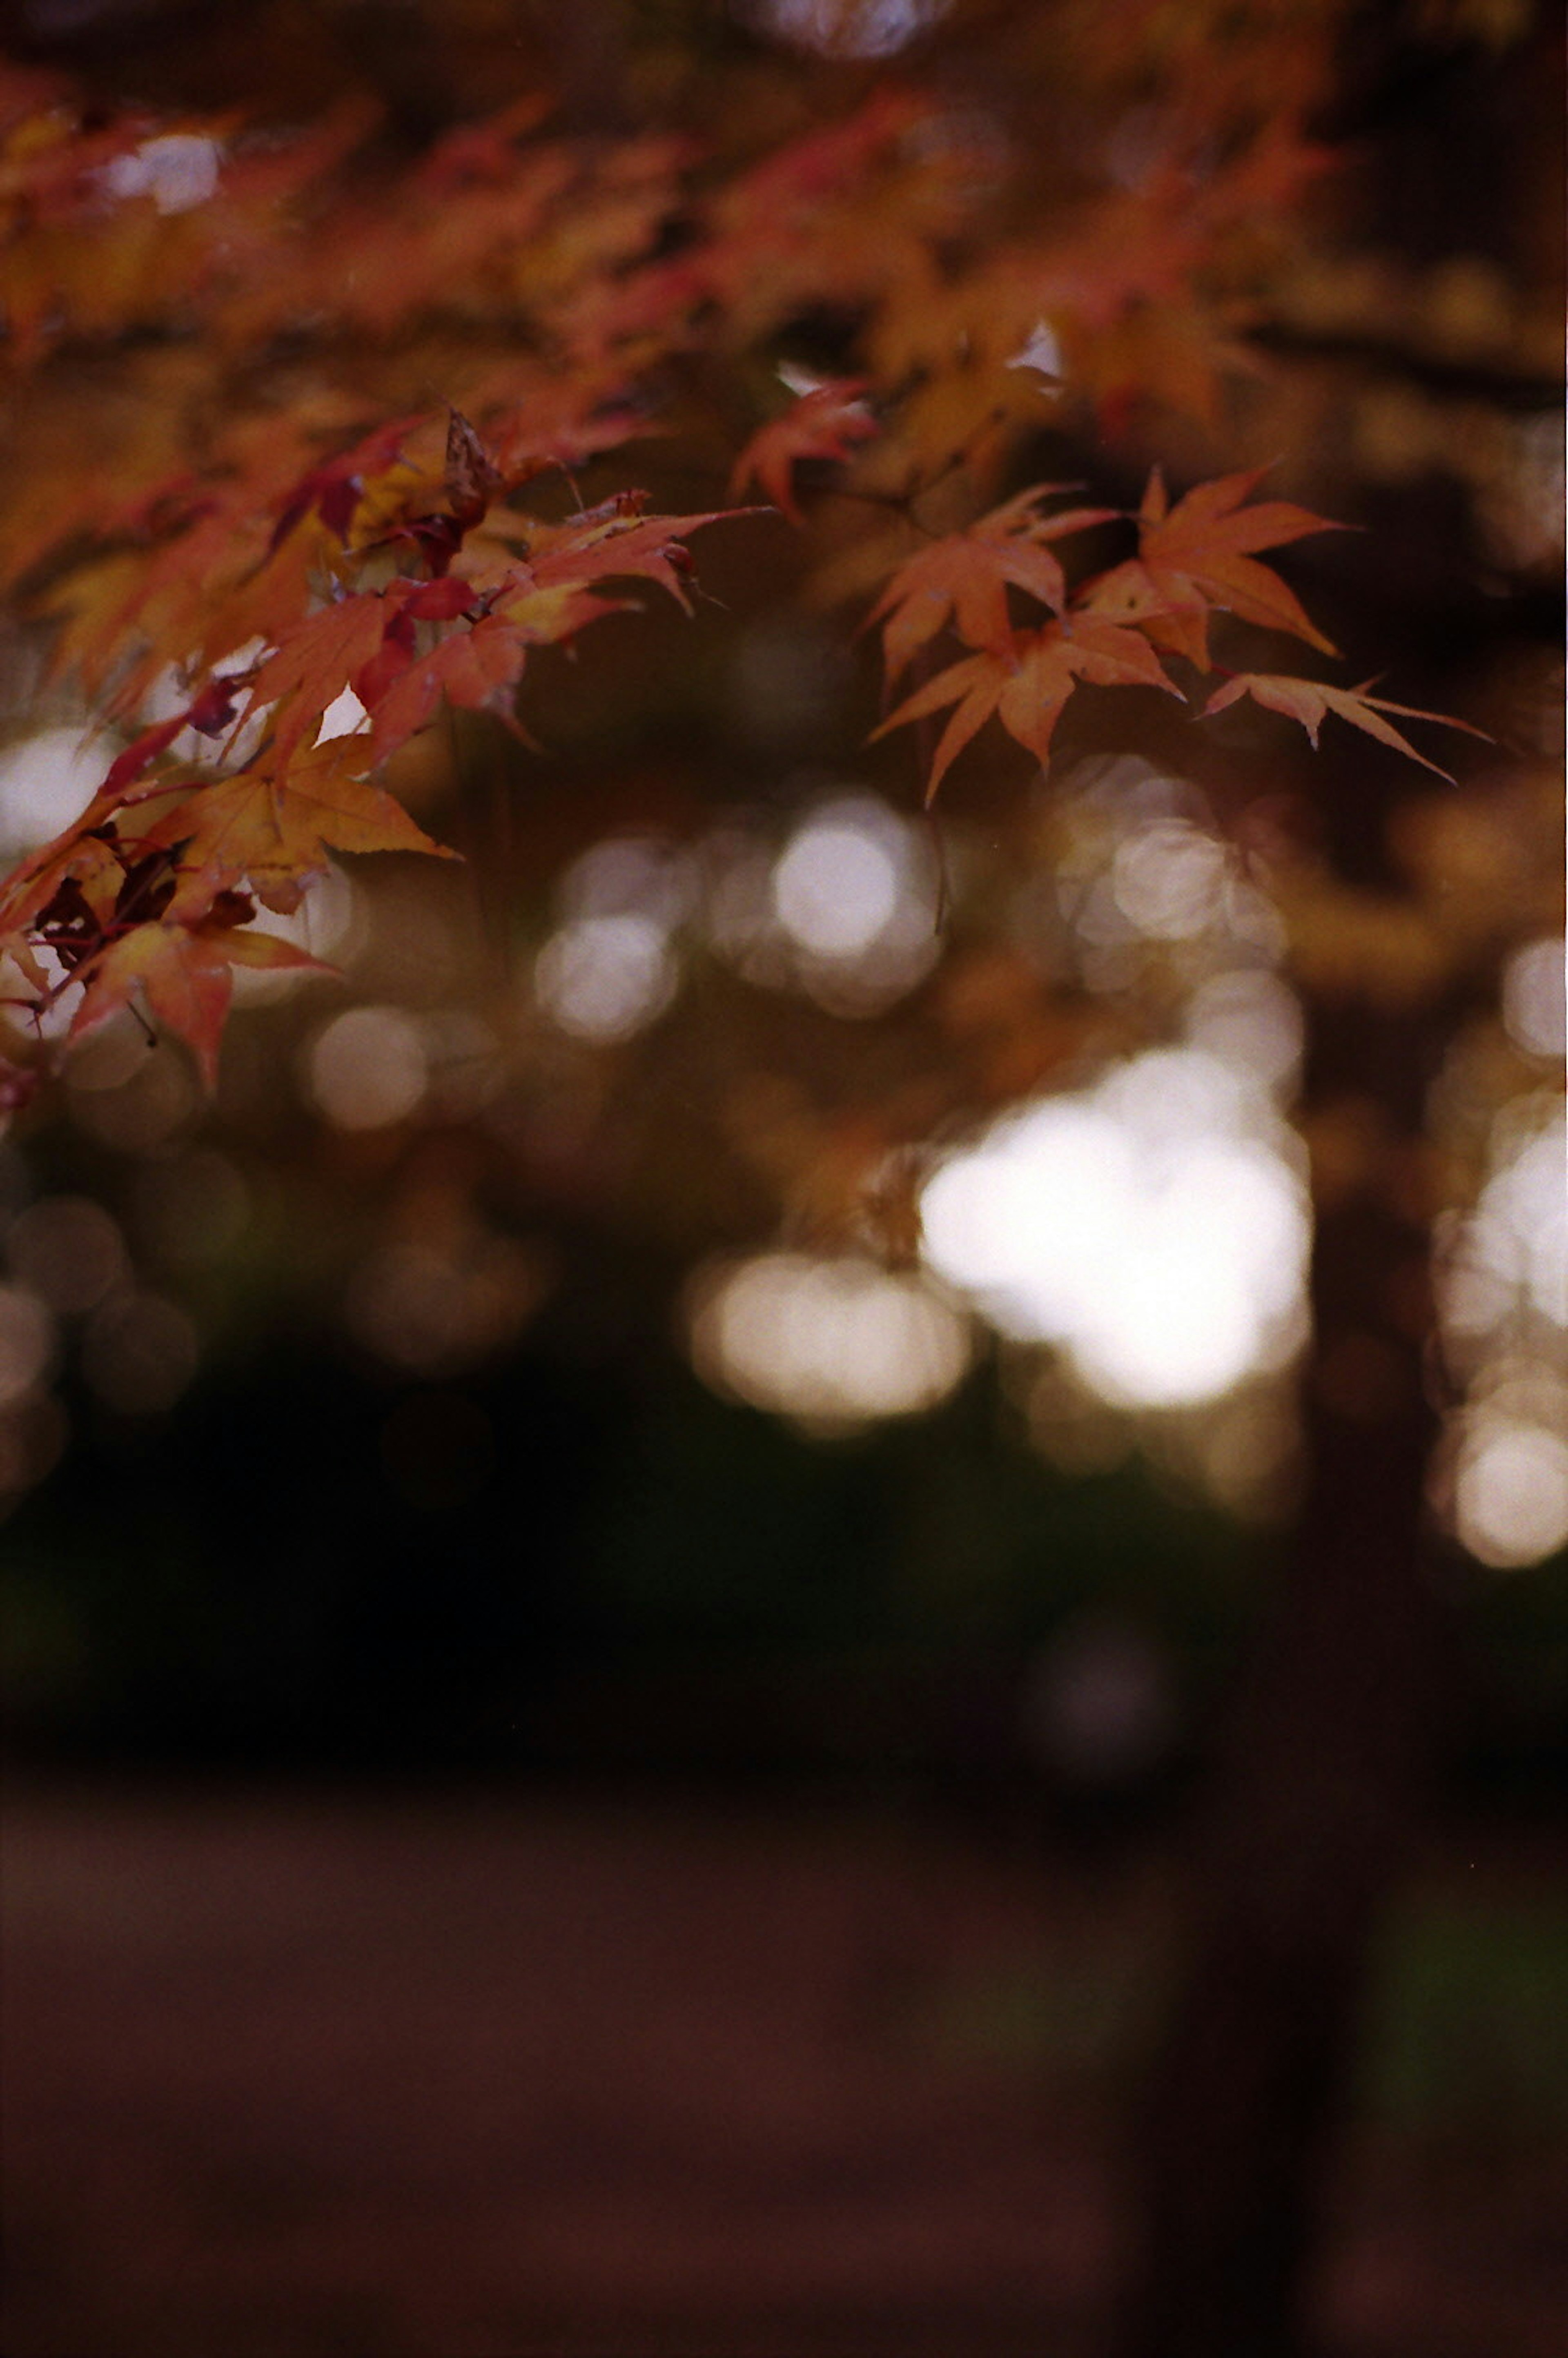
(1320, 1786)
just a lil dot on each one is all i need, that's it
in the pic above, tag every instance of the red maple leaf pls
(477, 668)
(965, 577)
(1310, 702)
(271, 825)
(1027, 683)
(184, 974)
(1198, 556)
(616, 539)
(825, 423)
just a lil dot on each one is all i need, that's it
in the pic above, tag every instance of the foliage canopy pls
(280, 528)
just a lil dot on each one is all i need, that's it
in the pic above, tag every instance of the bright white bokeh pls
(45, 783)
(847, 29)
(853, 894)
(603, 978)
(368, 1068)
(1511, 1491)
(1252, 1021)
(629, 874)
(1042, 352)
(1533, 998)
(1169, 880)
(830, 1342)
(1503, 1294)
(1519, 1232)
(837, 888)
(1151, 1228)
(327, 920)
(178, 171)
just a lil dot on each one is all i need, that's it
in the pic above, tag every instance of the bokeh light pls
(68, 1250)
(46, 781)
(26, 1343)
(430, 1312)
(1533, 998)
(1252, 1021)
(604, 978)
(1152, 1228)
(833, 1343)
(1097, 1705)
(128, 1093)
(138, 1353)
(368, 1068)
(328, 924)
(1140, 871)
(1519, 1232)
(1503, 1296)
(847, 29)
(835, 889)
(1169, 880)
(344, 717)
(625, 873)
(178, 171)
(845, 911)
(1510, 1490)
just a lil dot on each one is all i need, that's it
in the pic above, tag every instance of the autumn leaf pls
(79, 852)
(208, 714)
(477, 668)
(966, 575)
(1027, 684)
(1310, 702)
(185, 974)
(269, 824)
(825, 423)
(311, 666)
(1198, 556)
(333, 490)
(558, 292)
(473, 476)
(616, 539)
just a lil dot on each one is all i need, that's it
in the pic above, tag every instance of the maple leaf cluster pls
(1195, 561)
(148, 892)
(324, 575)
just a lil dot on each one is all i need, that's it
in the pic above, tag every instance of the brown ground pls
(513, 2079)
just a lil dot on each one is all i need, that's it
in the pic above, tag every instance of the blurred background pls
(624, 1566)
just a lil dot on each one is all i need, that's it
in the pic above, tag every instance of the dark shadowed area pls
(459, 2074)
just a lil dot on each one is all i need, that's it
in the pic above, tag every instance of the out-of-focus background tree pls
(743, 1289)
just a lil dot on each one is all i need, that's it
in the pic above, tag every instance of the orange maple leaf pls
(966, 577)
(825, 423)
(272, 823)
(312, 664)
(1027, 683)
(1197, 556)
(617, 538)
(477, 668)
(1310, 702)
(78, 855)
(184, 974)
